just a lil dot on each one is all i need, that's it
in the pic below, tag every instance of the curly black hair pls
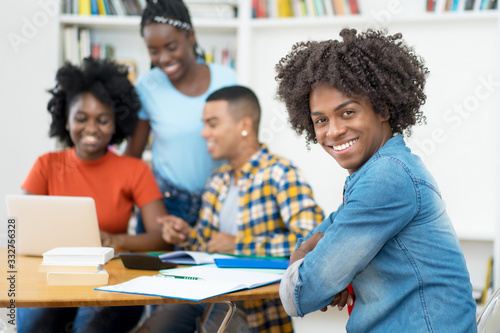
(173, 9)
(107, 81)
(372, 66)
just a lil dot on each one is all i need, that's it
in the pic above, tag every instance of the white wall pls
(27, 71)
(459, 142)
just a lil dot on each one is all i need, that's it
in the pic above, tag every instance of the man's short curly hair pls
(373, 66)
(107, 81)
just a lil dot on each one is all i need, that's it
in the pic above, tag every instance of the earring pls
(244, 133)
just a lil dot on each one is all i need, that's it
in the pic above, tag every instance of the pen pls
(179, 277)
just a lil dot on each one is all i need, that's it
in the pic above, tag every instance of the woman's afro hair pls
(373, 66)
(107, 81)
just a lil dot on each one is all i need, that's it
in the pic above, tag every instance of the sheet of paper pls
(212, 281)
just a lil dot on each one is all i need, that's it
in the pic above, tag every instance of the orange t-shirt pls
(115, 182)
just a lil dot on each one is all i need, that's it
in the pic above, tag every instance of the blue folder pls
(251, 263)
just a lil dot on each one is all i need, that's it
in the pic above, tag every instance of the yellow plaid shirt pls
(276, 208)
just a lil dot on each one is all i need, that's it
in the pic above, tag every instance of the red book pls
(353, 4)
(430, 5)
(95, 51)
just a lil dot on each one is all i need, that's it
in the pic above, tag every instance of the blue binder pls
(252, 263)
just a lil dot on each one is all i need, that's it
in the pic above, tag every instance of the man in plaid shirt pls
(257, 204)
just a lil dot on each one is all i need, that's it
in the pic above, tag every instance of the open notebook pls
(195, 283)
(191, 257)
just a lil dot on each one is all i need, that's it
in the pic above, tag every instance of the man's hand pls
(306, 247)
(222, 243)
(342, 299)
(174, 229)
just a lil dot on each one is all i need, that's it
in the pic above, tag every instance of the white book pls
(70, 268)
(311, 11)
(85, 49)
(195, 283)
(329, 8)
(477, 6)
(78, 278)
(71, 52)
(119, 7)
(191, 257)
(78, 255)
(439, 6)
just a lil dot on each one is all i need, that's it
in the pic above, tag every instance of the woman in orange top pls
(92, 107)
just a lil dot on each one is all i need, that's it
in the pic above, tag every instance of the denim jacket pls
(393, 240)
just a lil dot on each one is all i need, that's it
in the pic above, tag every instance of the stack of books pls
(76, 266)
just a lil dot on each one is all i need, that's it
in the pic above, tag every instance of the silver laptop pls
(44, 222)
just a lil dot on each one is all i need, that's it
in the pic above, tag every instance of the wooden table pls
(31, 289)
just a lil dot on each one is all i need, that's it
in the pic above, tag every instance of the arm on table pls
(148, 241)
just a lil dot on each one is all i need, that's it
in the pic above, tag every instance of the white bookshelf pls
(133, 22)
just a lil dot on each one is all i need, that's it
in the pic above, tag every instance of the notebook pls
(191, 257)
(44, 222)
(251, 263)
(195, 283)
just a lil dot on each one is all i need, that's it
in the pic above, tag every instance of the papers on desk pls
(195, 283)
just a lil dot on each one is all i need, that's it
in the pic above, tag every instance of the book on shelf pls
(216, 9)
(221, 55)
(132, 7)
(191, 257)
(197, 8)
(71, 50)
(78, 278)
(443, 6)
(310, 8)
(329, 8)
(354, 7)
(303, 8)
(195, 283)
(430, 6)
(131, 67)
(85, 49)
(84, 7)
(94, 10)
(70, 268)
(78, 255)
(102, 8)
(119, 7)
(77, 44)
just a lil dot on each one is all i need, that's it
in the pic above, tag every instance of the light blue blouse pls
(179, 152)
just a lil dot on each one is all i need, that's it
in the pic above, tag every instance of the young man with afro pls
(391, 237)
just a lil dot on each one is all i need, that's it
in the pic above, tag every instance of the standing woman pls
(173, 94)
